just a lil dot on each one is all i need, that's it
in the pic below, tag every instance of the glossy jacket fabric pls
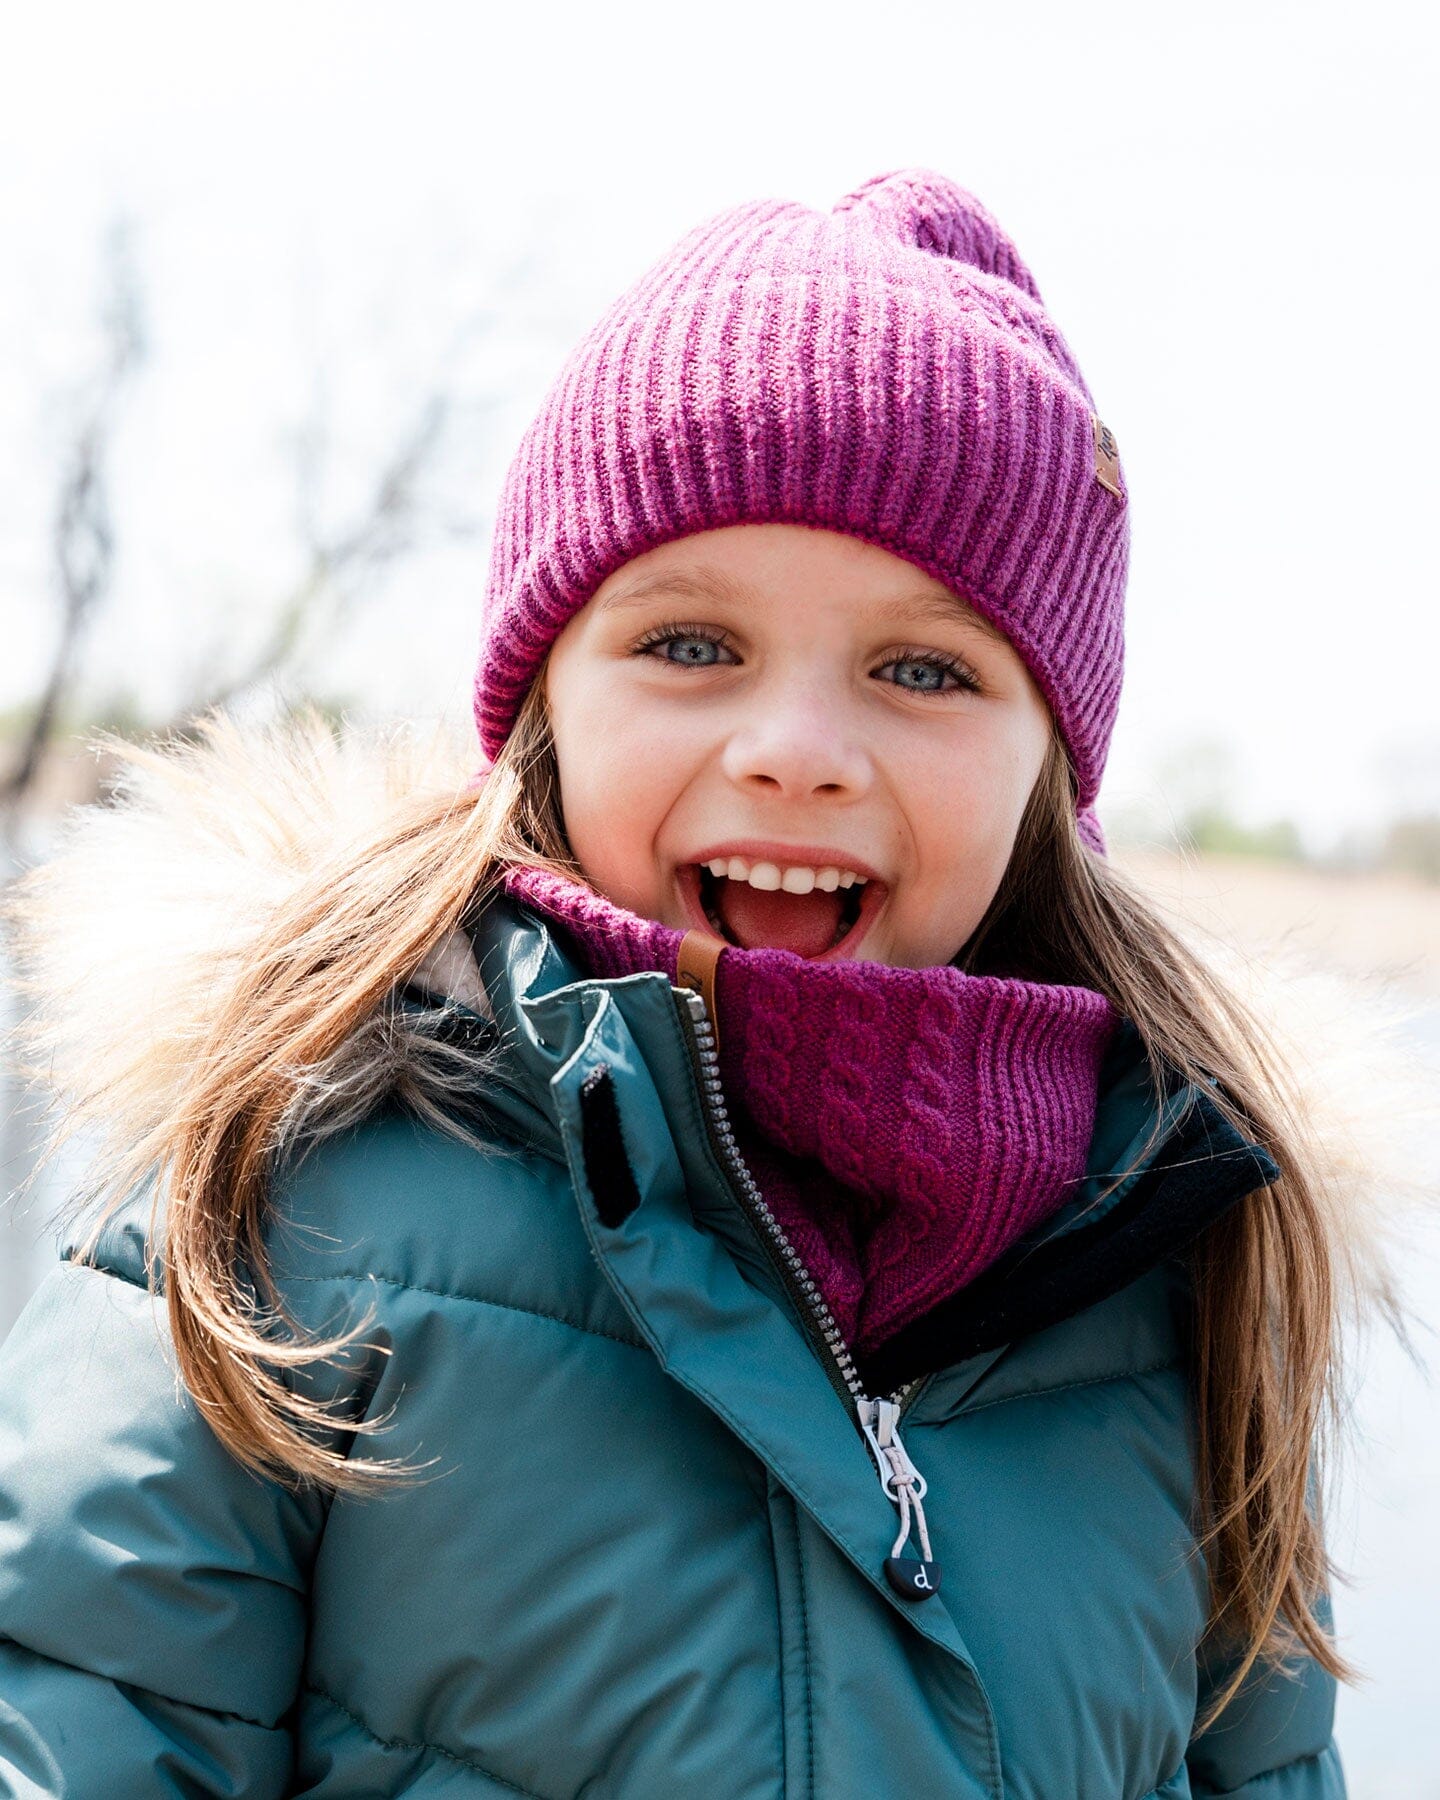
(645, 1559)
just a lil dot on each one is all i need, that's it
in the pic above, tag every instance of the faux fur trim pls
(129, 932)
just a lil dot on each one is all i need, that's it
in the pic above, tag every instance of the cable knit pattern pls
(905, 1125)
(884, 369)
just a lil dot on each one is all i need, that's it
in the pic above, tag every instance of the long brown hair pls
(1267, 1340)
(307, 1002)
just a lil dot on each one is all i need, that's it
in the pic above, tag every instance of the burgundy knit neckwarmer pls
(905, 1125)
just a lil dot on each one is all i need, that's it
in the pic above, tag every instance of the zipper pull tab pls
(905, 1487)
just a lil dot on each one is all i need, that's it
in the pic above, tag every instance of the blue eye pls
(934, 678)
(688, 637)
(689, 646)
(934, 666)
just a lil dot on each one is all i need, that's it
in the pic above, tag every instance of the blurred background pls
(282, 286)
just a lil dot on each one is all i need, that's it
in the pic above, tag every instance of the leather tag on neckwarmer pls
(695, 965)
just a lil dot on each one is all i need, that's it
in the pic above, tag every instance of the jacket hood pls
(126, 936)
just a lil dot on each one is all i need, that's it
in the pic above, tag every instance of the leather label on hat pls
(1107, 458)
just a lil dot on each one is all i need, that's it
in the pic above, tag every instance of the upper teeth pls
(770, 876)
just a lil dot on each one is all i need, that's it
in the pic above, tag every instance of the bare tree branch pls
(383, 531)
(84, 536)
(337, 565)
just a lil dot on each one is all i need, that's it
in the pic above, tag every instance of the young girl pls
(732, 1255)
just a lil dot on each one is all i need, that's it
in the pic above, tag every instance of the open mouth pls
(818, 926)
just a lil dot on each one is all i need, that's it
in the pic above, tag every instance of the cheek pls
(621, 769)
(965, 814)
(976, 798)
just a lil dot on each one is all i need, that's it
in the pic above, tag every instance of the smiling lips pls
(817, 913)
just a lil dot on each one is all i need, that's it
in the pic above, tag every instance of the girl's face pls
(787, 702)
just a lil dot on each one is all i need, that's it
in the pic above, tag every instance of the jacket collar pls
(545, 1007)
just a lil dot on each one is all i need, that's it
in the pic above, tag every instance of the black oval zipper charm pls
(911, 1578)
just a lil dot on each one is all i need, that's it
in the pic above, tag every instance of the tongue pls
(804, 923)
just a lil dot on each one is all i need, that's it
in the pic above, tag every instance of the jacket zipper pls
(878, 1419)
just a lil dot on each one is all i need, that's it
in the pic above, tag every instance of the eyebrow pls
(925, 605)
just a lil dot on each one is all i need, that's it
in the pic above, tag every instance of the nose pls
(799, 746)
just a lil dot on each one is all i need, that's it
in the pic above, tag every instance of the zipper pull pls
(905, 1487)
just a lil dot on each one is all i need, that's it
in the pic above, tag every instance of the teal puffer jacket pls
(647, 1557)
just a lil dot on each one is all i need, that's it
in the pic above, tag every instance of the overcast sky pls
(334, 207)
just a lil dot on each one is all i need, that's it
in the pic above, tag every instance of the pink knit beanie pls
(885, 369)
